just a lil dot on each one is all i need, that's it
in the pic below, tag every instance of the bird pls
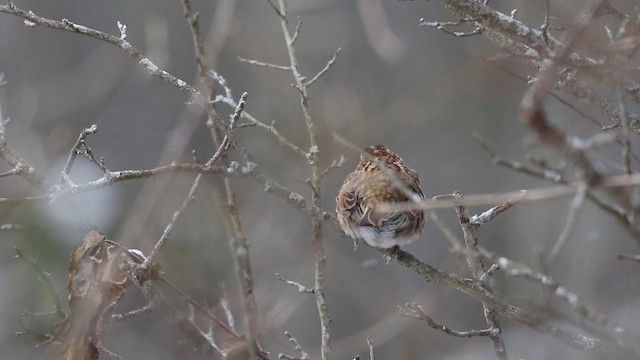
(381, 177)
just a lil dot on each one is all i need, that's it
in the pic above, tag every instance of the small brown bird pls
(369, 186)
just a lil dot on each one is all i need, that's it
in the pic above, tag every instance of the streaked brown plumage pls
(363, 190)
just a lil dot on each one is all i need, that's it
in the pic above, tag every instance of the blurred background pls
(417, 90)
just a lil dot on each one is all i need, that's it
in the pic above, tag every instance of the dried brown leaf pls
(96, 285)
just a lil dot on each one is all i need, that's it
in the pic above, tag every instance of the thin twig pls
(512, 268)
(111, 353)
(76, 149)
(169, 228)
(442, 26)
(17, 161)
(223, 137)
(555, 176)
(572, 217)
(122, 44)
(133, 313)
(370, 344)
(470, 231)
(335, 164)
(626, 142)
(229, 100)
(540, 323)
(496, 210)
(417, 312)
(45, 277)
(14, 171)
(514, 165)
(313, 156)
(296, 345)
(301, 288)
(326, 67)
(296, 32)
(265, 64)
(191, 195)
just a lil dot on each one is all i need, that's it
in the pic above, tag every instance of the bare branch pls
(540, 323)
(124, 45)
(277, 9)
(229, 100)
(313, 156)
(224, 146)
(586, 312)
